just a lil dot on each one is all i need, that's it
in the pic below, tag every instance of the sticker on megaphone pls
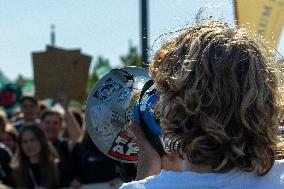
(109, 110)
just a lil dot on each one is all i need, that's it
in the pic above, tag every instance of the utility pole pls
(144, 33)
(52, 35)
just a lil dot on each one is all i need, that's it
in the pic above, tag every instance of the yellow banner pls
(266, 17)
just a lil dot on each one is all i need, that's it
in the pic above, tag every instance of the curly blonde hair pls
(219, 97)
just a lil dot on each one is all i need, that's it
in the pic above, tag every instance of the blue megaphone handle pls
(148, 115)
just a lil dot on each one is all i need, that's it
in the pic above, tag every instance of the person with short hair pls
(220, 97)
(52, 124)
(29, 109)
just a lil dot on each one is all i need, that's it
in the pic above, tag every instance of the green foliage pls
(101, 67)
(132, 58)
(3, 79)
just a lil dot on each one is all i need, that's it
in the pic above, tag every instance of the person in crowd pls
(73, 122)
(5, 154)
(43, 106)
(29, 109)
(3, 120)
(219, 106)
(5, 169)
(91, 166)
(52, 124)
(9, 137)
(79, 117)
(35, 163)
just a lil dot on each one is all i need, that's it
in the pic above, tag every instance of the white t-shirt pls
(234, 179)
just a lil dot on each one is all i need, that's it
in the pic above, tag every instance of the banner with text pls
(266, 17)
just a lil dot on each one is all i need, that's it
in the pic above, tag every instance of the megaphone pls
(109, 110)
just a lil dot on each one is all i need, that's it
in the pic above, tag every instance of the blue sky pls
(98, 27)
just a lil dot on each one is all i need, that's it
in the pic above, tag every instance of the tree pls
(132, 58)
(3, 79)
(101, 67)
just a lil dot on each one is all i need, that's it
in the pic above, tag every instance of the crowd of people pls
(46, 147)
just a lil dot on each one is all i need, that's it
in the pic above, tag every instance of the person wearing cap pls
(220, 94)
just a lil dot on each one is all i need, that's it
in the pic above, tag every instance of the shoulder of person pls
(78, 149)
(62, 140)
(142, 184)
(62, 144)
(5, 152)
(18, 123)
(278, 168)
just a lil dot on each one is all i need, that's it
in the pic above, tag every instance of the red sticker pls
(124, 148)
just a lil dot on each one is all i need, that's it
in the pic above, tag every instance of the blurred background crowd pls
(47, 145)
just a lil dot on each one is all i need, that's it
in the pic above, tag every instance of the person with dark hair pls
(29, 109)
(219, 107)
(35, 162)
(52, 124)
(9, 137)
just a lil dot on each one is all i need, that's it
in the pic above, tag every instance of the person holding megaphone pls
(145, 126)
(217, 106)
